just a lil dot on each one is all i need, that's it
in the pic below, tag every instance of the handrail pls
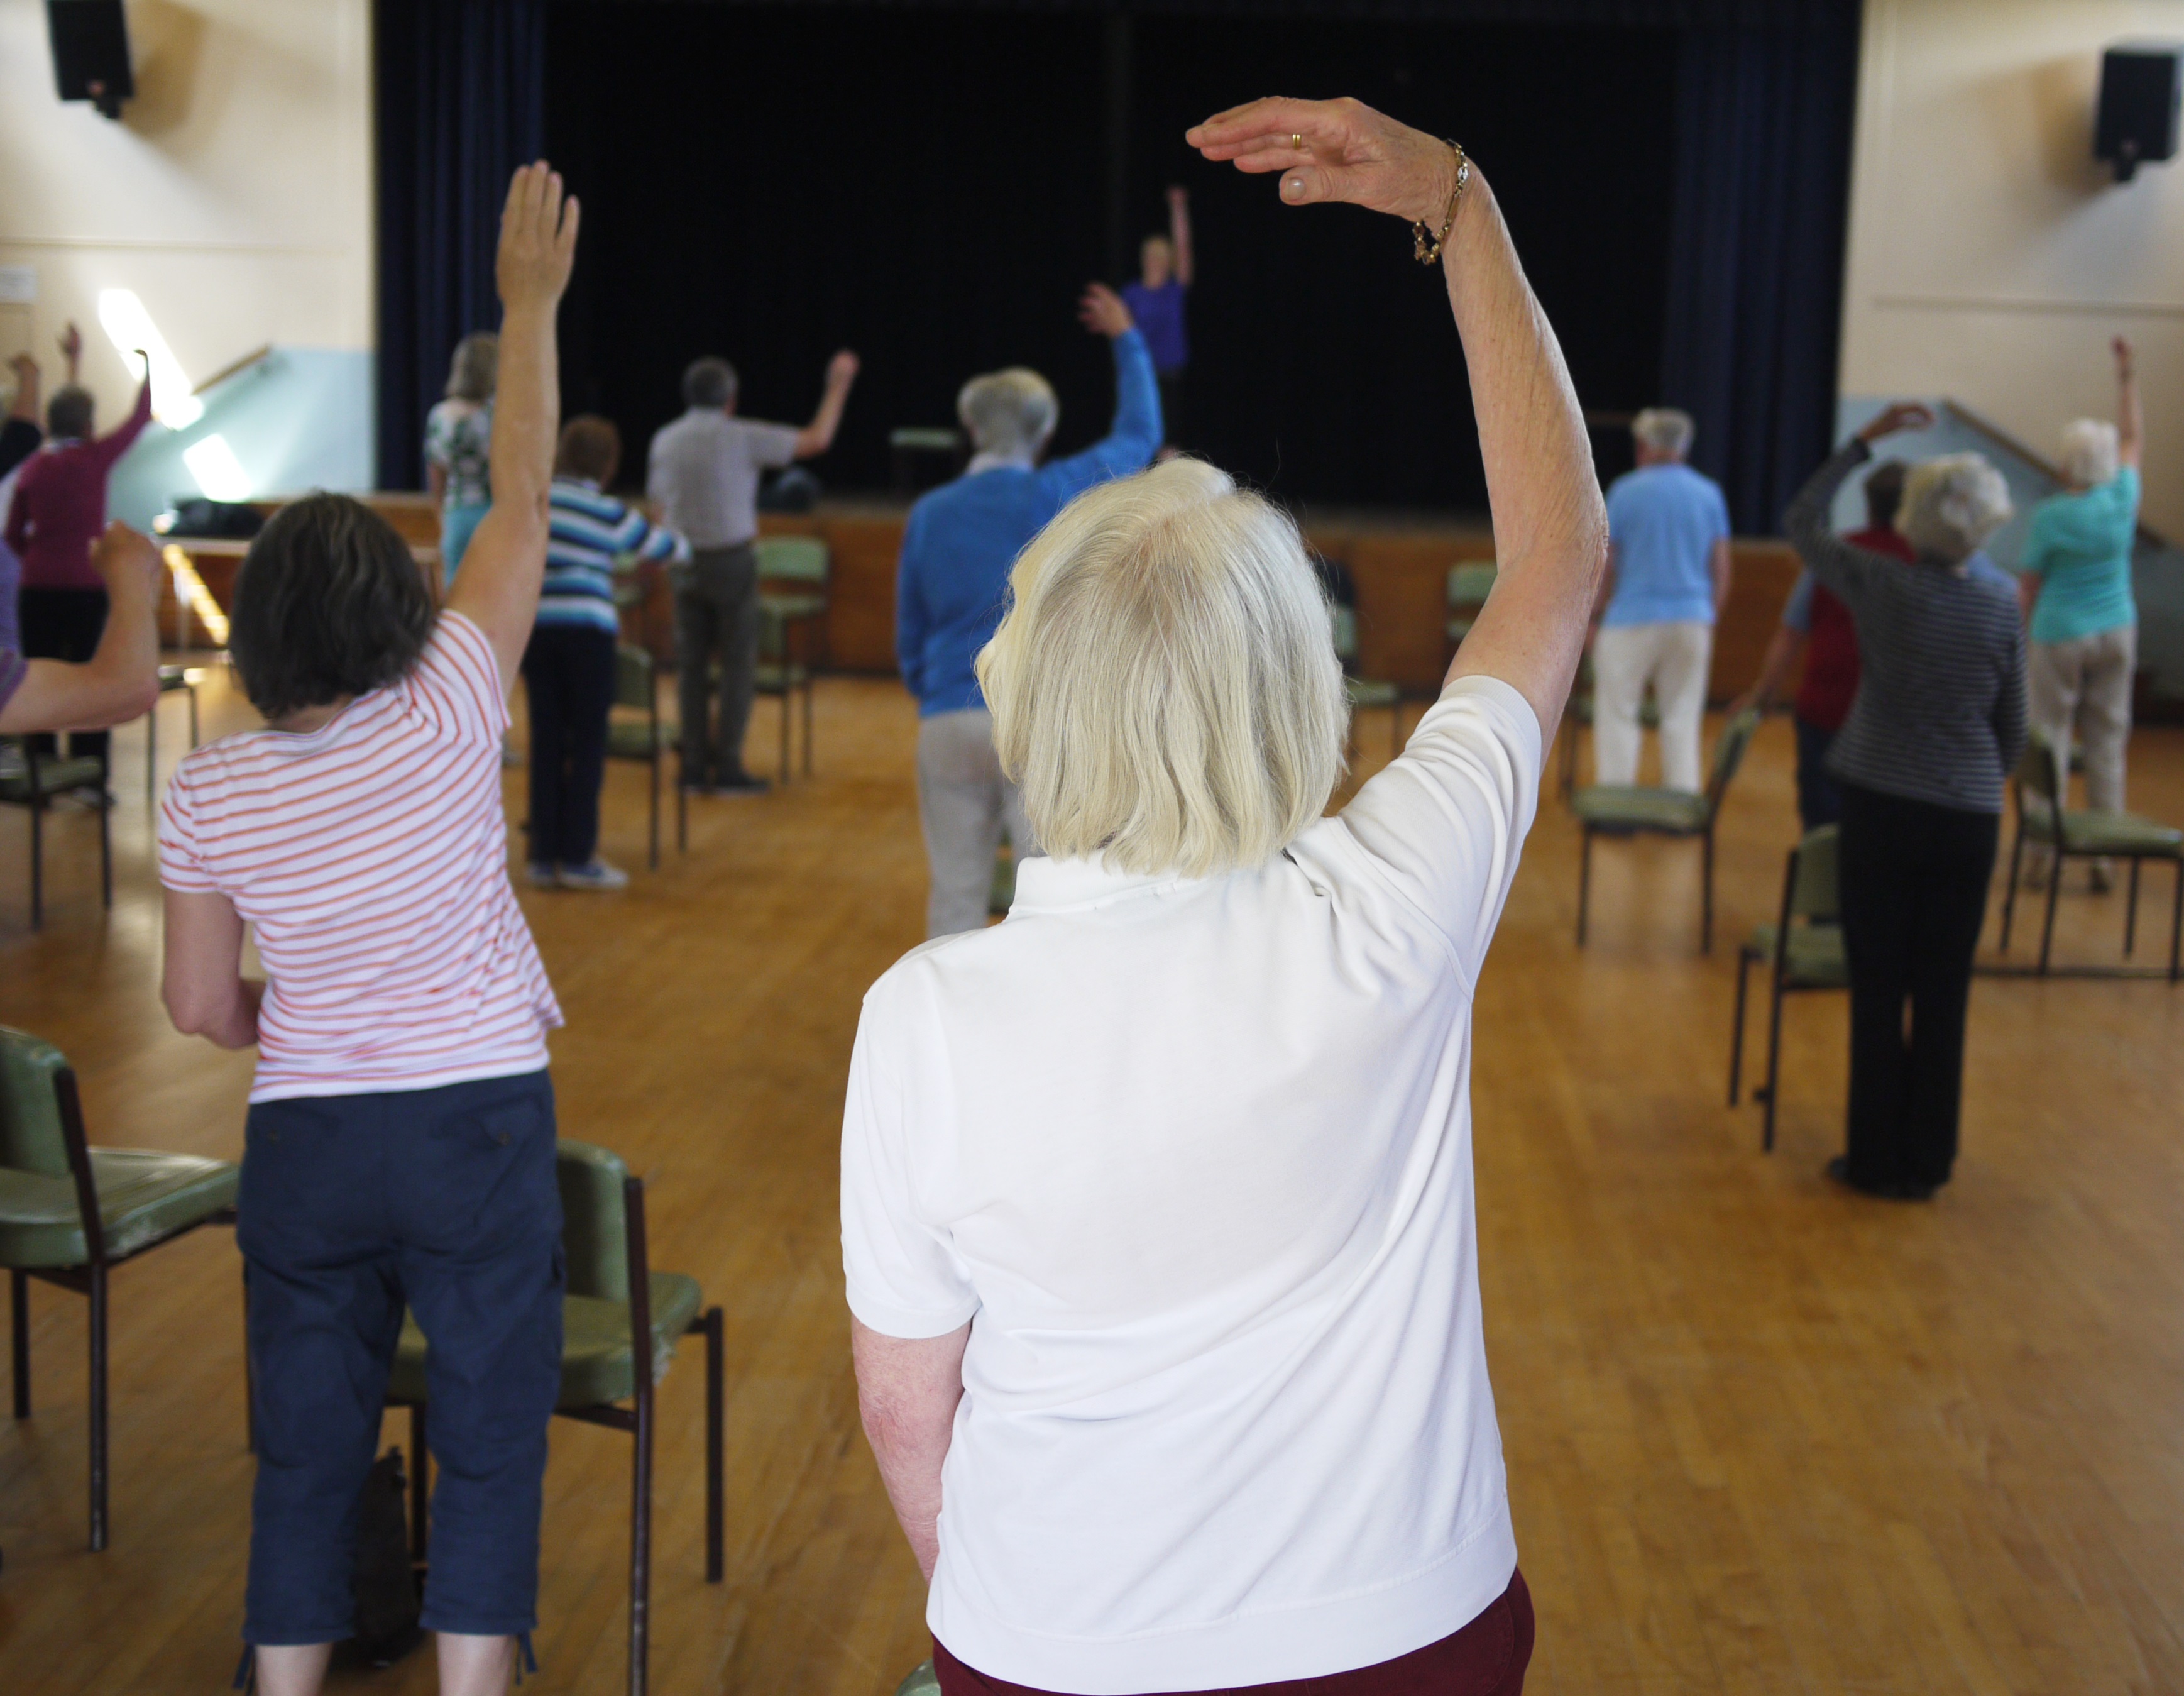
(227, 371)
(2008, 443)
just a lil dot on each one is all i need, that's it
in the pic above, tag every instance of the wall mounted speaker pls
(2141, 83)
(91, 53)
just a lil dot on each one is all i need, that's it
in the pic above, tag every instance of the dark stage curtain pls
(1760, 186)
(460, 93)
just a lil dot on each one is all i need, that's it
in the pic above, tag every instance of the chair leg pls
(1706, 895)
(1736, 1029)
(807, 724)
(716, 1431)
(2176, 920)
(99, 1446)
(105, 849)
(18, 1307)
(152, 753)
(640, 1532)
(2010, 890)
(192, 691)
(1584, 885)
(655, 861)
(682, 807)
(2131, 911)
(788, 710)
(37, 865)
(1774, 1065)
(420, 1488)
(2054, 893)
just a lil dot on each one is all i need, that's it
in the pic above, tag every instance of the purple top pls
(1159, 312)
(13, 666)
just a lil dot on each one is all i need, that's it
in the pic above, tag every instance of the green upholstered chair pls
(636, 731)
(1373, 693)
(922, 1681)
(1578, 716)
(613, 1295)
(1804, 948)
(2042, 788)
(1468, 586)
(908, 446)
(71, 1213)
(792, 575)
(1633, 810)
(40, 780)
(181, 680)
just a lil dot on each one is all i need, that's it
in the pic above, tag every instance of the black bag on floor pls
(387, 1600)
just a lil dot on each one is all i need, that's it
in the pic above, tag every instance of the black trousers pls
(569, 678)
(716, 618)
(64, 624)
(1914, 884)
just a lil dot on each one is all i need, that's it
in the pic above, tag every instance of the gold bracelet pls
(1429, 253)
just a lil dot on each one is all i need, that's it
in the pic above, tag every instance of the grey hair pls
(1951, 505)
(709, 382)
(1665, 430)
(1164, 686)
(1008, 412)
(2090, 447)
(475, 371)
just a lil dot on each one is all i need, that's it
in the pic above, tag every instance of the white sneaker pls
(599, 875)
(543, 876)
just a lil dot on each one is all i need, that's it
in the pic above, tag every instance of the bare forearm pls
(1781, 655)
(816, 437)
(1723, 564)
(236, 1025)
(526, 410)
(907, 1393)
(2131, 420)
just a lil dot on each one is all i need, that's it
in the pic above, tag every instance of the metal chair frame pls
(1780, 985)
(173, 680)
(627, 652)
(38, 800)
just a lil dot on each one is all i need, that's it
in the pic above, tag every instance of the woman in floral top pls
(458, 437)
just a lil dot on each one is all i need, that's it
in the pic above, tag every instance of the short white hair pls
(1008, 412)
(1164, 686)
(2089, 452)
(1951, 505)
(1665, 430)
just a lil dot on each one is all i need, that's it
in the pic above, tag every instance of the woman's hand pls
(1335, 150)
(537, 240)
(842, 371)
(1901, 415)
(128, 562)
(2122, 348)
(1101, 311)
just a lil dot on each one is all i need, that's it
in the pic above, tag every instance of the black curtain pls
(1760, 188)
(460, 91)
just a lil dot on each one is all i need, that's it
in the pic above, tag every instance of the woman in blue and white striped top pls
(1937, 723)
(569, 668)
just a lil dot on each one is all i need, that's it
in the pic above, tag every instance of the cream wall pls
(235, 196)
(1989, 259)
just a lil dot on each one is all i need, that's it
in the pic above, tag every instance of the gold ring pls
(1296, 140)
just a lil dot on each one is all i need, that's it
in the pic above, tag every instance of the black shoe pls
(742, 783)
(1897, 1190)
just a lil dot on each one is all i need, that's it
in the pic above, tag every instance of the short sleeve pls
(181, 857)
(770, 445)
(904, 1278)
(1797, 610)
(436, 436)
(457, 683)
(1445, 821)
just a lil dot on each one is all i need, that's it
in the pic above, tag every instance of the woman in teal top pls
(2076, 589)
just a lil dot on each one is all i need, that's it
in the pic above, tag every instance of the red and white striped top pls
(370, 856)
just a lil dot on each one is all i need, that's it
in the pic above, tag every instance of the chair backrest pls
(1814, 887)
(31, 1139)
(633, 678)
(1469, 585)
(1728, 754)
(2040, 772)
(793, 559)
(594, 1220)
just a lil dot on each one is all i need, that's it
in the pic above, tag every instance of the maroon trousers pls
(1487, 1658)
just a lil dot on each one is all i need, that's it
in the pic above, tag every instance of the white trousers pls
(2084, 686)
(1673, 657)
(964, 804)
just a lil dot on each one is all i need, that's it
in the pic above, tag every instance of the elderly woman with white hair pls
(1938, 723)
(1157, 1214)
(2076, 589)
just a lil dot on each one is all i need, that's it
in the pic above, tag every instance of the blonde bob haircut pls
(1164, 686)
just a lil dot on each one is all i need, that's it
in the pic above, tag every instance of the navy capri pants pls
(351, 1207)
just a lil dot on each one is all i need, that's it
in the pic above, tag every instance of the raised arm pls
(498, 589)
(1550, 526)
(115, 443)
(816, 437)
(121, 680)
(1134, 436)
(1835, 563)
(2131, 420)
(1178, 234)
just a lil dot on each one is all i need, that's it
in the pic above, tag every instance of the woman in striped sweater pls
(1938, 722)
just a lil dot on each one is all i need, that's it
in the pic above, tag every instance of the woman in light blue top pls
(458, 438)
(2076, 589)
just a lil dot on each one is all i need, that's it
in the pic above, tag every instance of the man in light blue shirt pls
(952, 585)
(1668, 576)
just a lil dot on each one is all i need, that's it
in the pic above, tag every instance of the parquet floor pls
(1761, 1437)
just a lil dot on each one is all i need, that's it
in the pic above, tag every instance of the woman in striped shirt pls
(1937, 723)
(400, 1150)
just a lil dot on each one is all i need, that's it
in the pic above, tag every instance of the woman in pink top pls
(58, 511)
(399, 1147)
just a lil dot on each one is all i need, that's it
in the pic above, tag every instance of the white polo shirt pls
(1194, 1158)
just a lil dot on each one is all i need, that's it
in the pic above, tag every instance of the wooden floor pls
(1762, 1436)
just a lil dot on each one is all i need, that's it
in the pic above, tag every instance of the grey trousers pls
(717, 619)
(964, 803)
(2084, 686)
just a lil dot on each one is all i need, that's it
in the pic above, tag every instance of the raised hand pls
(128, 561)
(1901, 415)
(1101, 311)
(841, 370)
(2122, 348)
(537, 240)
(1335, 150)
(71, 344)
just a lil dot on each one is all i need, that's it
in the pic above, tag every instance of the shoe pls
(2102, 877)
(1898, 1190)
(599, 875)
(742, 783)
(699, 786)
(510, 761)
(542, 877)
